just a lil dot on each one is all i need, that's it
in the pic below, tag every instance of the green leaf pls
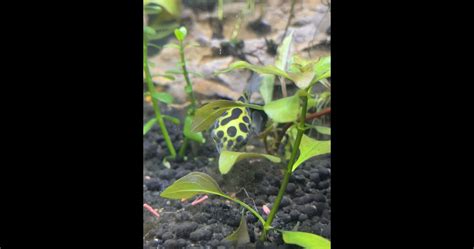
(266, 87)
(241, 235)
(284, 52)
(171, 6)
(192, 44)
(163, 97)
(168, 76)
(283, 110)
(180, 33)
(270, 69)
(207, 114)
(227, 159)
(310, 148)
(171, 45)
(174, 71)
(304, 72)
(190, 185)
(171, 119)
(195, 136)
(297, 64)
(163, 30)
(152, 9)
(155, 46)
(306, 240)
(302, 79)
(148, 125)
(322, 69)
(323, 130)
(148, 31)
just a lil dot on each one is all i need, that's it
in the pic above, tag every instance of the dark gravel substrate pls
(307, 202)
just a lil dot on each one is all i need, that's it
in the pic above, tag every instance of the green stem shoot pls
(156, 108)
(189, 86)
(288, 172)
(183, 147)
(189, 92)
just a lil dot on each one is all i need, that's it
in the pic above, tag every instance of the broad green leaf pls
(266, 87)
(269, 69)
(241, 235)
(190, 185)
(180, 33)
(306, 72)
(284, 52)
(302, 79)
(227, 159)
(195, 136)
(171, 6)
(148, 31)
(322, 69)
(152, 9)
(306, 240)
(148, 125)
(172, 119)
(323, 130)
(297, 64)
(310, 148)
(163, 97)
(207, 114)
(283, 110)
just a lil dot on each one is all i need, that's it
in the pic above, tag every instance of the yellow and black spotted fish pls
(232, 129)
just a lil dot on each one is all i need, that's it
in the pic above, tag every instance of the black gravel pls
(181, 225)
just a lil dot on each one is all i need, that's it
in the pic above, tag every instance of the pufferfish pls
(232, 129)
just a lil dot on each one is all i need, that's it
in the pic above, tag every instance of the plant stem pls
(183, 147)
(310, 117)
(254, 212)
(189, 91)
(156, 108)
(189, 86)
(289, 168)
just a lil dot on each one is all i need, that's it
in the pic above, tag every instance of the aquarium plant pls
(155, 97)
(291, 112)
